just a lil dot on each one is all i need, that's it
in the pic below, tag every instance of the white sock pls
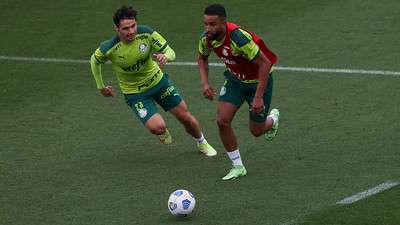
(235, 158)
(201, 139)
(274, 118)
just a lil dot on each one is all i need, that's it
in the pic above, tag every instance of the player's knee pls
(223, 122)
(156, 124)
(157, 130)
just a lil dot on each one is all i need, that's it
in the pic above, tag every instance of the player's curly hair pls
(215, 10)
(124, 12)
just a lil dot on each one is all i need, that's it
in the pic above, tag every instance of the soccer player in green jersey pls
(136, 53)
(248, 78)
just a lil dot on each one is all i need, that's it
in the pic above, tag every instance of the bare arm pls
(264, 67)
(208, 91)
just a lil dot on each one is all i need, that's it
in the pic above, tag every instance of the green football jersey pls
(241, 44)
(136, 71)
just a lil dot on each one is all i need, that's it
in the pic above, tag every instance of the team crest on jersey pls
(224, 52)
(142, 112)
(142, 47)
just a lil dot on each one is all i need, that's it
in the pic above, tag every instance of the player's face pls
(127, 29)
(214, 27)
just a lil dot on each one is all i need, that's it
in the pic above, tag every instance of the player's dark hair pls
(215, 10)
(125, 12)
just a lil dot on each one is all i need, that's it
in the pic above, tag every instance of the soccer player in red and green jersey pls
(248, 76)
(134, 52)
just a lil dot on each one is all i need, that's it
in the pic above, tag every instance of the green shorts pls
(236, 92)
(143, 104)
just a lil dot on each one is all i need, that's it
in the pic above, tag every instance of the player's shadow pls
(169, 219)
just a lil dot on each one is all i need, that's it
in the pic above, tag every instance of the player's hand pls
(257, 105)
(107, 91)
(160, 58)
(208, 92)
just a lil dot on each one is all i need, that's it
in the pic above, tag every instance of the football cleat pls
(269, 135)
(207, 149)
(235, 172)
(165, 138)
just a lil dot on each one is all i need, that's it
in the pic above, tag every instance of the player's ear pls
(115, 28)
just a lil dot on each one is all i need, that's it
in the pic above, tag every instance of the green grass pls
(70, 156)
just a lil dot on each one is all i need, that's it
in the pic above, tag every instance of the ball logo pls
(178, 193)
(142, 112)
(185, 204)
(142, 47)
(172, 206)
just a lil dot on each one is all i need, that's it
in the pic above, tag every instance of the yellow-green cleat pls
(269, 135)
(165, 138)
(235, 172)
(207, 149)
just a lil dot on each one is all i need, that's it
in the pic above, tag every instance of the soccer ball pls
(181, 203)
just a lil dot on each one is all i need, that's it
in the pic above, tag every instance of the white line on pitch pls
(359, 196)
(283, 68)
(372, 191)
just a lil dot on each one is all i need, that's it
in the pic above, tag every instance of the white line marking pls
(372, 191)
(35, 59)
(352, 71)
(359, 196)
(283, 68)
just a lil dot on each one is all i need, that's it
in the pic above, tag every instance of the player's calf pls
(258, 129)
(257, 132)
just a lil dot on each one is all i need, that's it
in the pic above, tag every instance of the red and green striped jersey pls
(237, 50)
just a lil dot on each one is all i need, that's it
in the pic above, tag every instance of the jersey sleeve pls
(96, 71)
(100, 57)
(101, 54)
(169, 53)
(244, 44)
(203, 49)
(158, 42)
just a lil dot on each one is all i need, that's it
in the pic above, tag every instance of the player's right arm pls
(202, 62)
(96, 60)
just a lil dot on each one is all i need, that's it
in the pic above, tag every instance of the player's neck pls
(221, 37)
(127, 41)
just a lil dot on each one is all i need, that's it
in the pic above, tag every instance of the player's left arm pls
(163, 52)
(264, 67)
(250, 50)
